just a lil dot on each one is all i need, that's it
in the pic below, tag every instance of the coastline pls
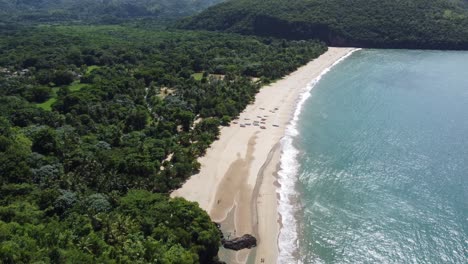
(287, 176)
(238, 176)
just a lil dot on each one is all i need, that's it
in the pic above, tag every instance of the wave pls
(288, 242)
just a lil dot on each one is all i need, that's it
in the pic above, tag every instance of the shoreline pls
(238, 176)
(287, 176)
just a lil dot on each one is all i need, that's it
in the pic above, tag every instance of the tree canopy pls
(51, 226)
(99, 11)
(97, 126)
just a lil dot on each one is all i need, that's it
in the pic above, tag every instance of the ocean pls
(375, 163)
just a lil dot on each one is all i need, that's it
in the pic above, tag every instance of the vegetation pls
(198, 76)
(436, 24)
(99, 123)
(107, 11)
(97, 127)
(50, 226)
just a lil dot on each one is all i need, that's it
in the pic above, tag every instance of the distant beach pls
(237, 184)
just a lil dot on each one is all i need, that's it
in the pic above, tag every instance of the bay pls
(383, 154)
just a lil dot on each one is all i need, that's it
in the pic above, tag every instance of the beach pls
(237, 184)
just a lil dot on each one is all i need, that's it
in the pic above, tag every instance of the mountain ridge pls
(100, 10)
(434, 24)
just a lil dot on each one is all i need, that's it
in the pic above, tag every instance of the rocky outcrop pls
(238, 243)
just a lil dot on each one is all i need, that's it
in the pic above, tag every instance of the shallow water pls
(383, 161)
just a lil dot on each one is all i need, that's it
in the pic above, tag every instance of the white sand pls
(238, 171)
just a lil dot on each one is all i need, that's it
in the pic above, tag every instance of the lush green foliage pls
(139, 227)
(440, 24)
(101, 11)
(88, 114)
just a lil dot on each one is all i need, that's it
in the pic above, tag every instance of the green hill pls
(99, 10)
(437, 24)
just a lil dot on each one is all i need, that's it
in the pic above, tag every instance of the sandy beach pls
(237, 182)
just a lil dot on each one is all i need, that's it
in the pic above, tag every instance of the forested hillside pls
(99, 10)
(99, 123)
(437, 24)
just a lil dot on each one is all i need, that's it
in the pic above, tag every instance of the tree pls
(65, 201)
(98, 203)
(38, 94)
(186, 119)
(137, 119)
(62, 77)
(14, 153)
(45, 141)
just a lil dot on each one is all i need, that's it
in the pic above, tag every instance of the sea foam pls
(288, 242)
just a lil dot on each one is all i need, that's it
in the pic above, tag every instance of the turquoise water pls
(383, 154)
